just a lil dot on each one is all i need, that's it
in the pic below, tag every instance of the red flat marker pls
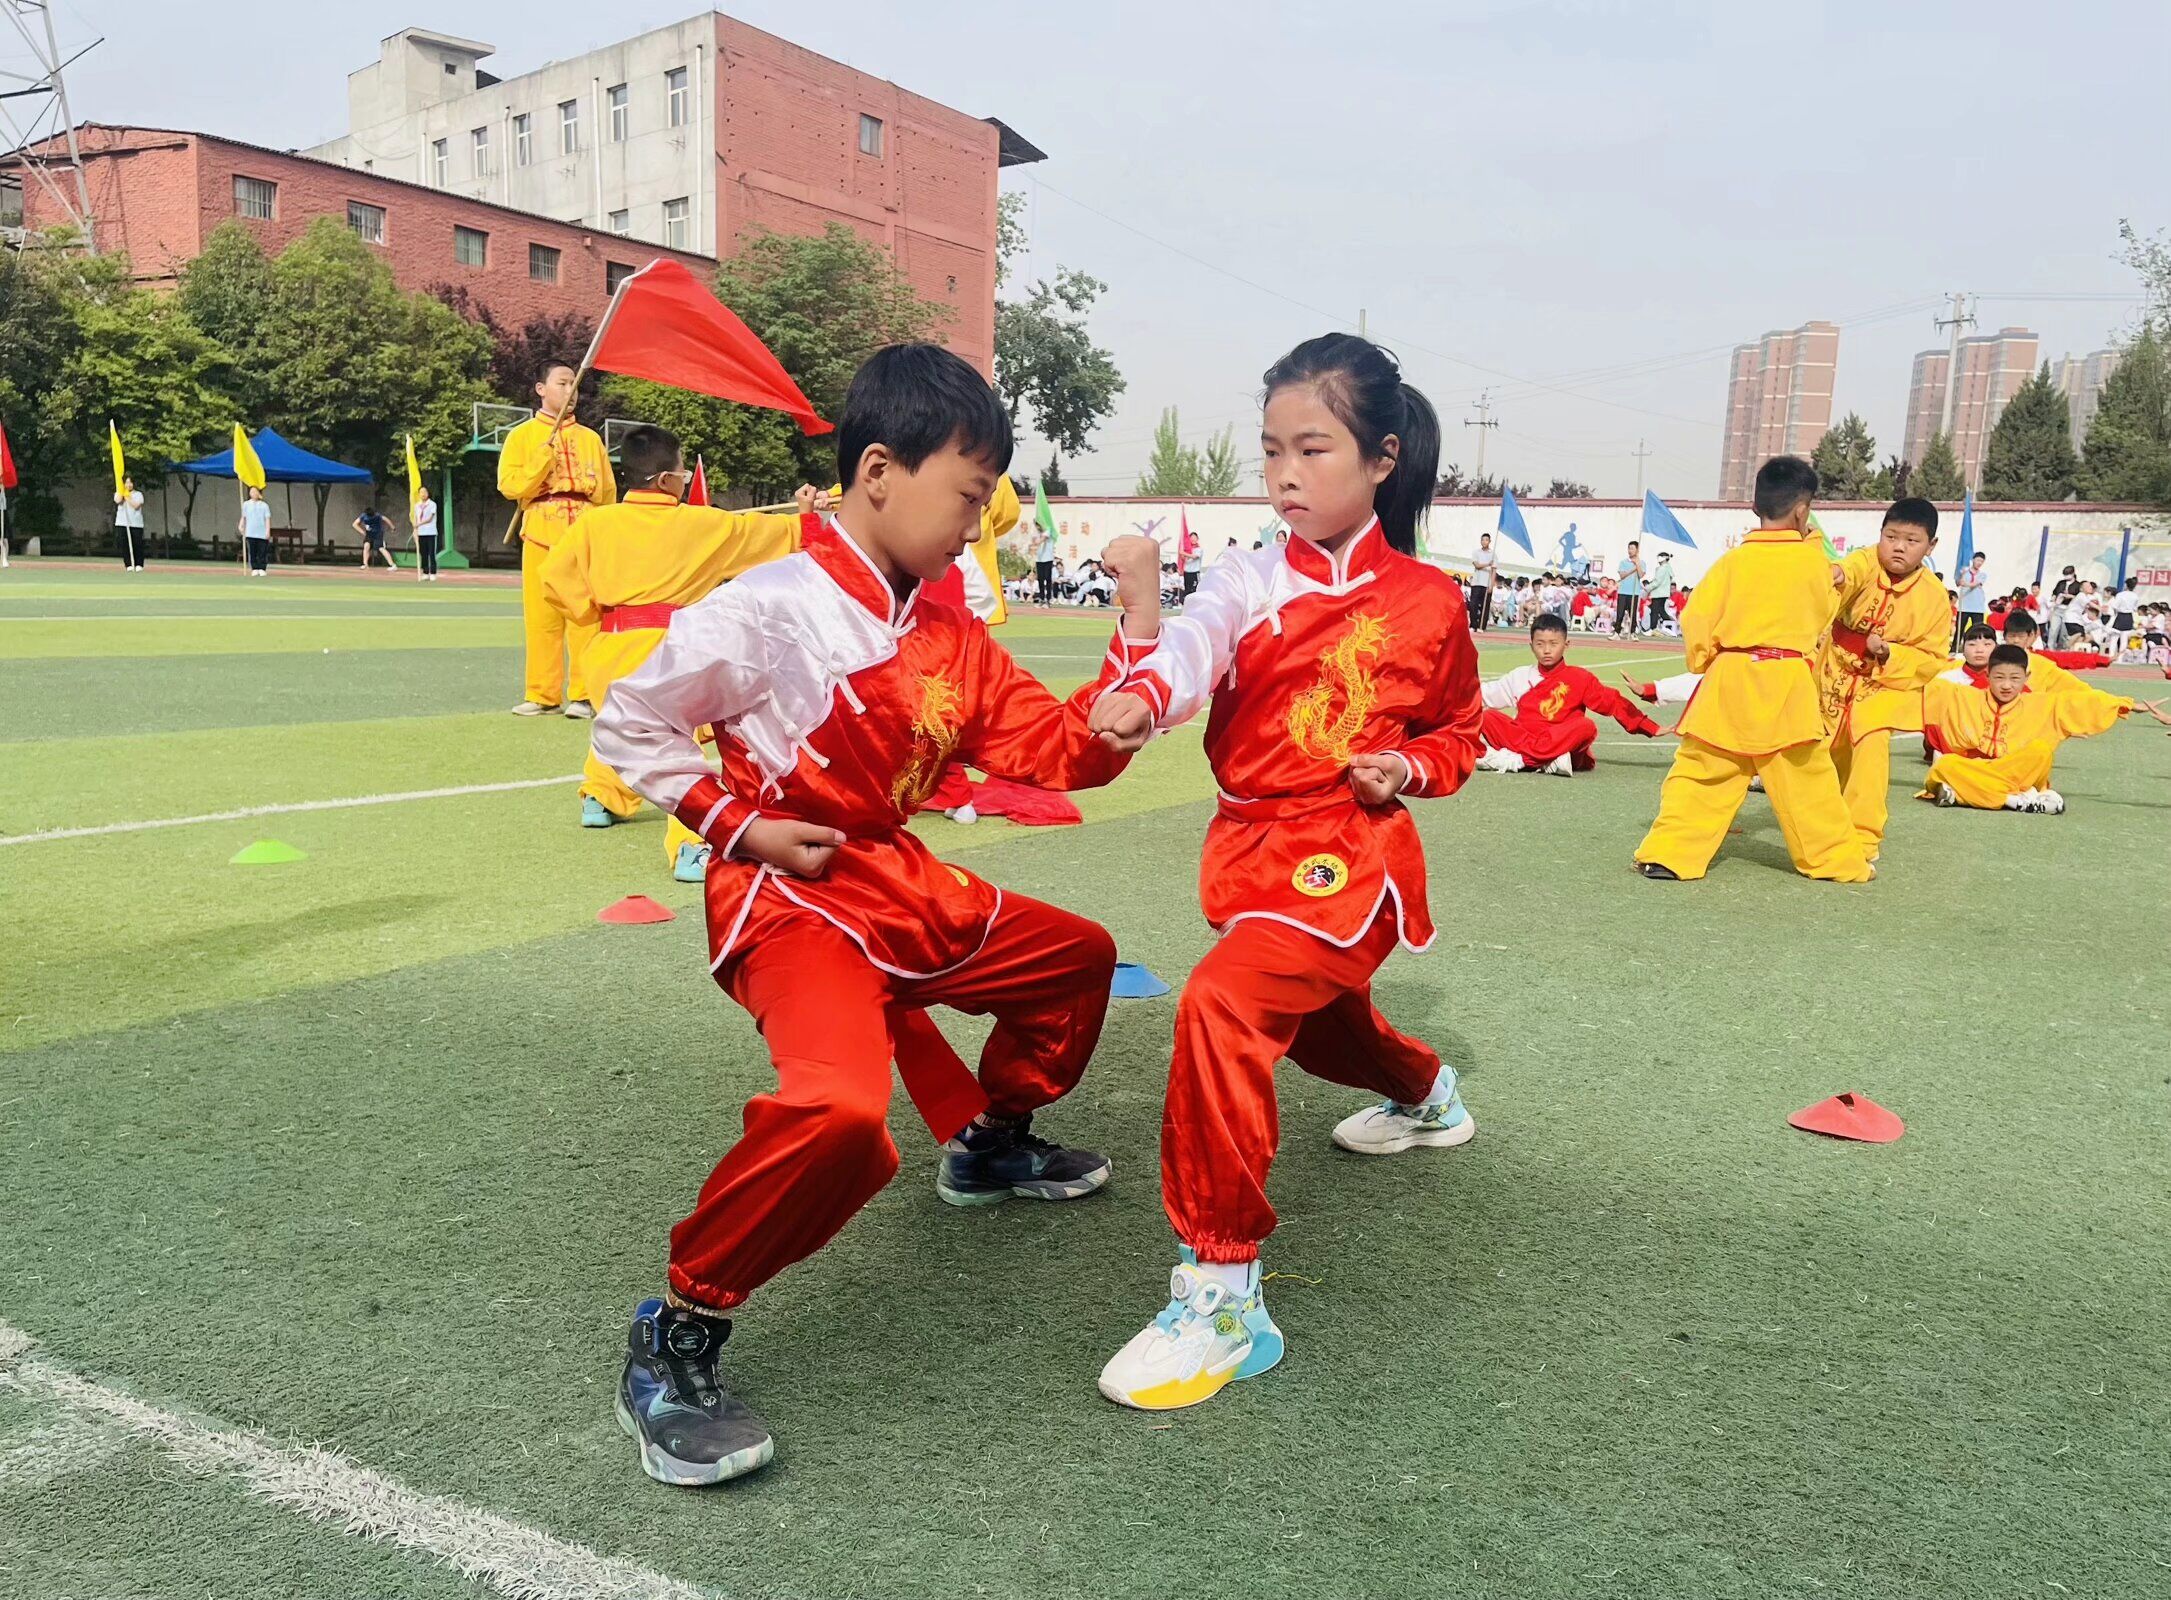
(636, 909)
(1849, 1116)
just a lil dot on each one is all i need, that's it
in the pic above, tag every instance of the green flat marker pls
(265, 853)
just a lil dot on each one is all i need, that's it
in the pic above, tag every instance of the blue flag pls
(1967, 533)
(1511, 520)
(1661, 523)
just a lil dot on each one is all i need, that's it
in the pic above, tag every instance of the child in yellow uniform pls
(555, 470)
(2045, 676)
(1887, 640)
(1752, 629)
(620, 574)
(2003, 738)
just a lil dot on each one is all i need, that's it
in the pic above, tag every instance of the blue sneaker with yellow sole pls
(691, 1429)
(1206, 1338)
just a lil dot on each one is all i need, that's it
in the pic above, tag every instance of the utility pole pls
(1640, 452)
(1961, 318)
(1360, 323)
(1483, 420)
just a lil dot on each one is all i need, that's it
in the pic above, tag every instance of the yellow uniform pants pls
(613, 656)
(550, 638)
(1705, 789)
(1864, 766)
(1985, 782)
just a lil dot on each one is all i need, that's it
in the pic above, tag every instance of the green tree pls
(1220, 472)
(353, 363)
(822, 304)
(226, 292)
(1567, 489)
(135, 359)
(1045, 360)
(2030, 454)
(2128, 450)
(1937, 475)
(37, 332)
(1174, 468)
(2150, 256)
(1846, 462)
(1051, 478)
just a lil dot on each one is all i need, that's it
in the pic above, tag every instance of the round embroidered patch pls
(1320, 875)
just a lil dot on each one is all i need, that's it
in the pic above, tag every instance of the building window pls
(366, 222)
(255, 197)
(11, 203)
(479, 146)
(621, 223)
(677, 224)
(523, 140)
(568, 127)
(674, 89)
(615, 273)
(470, 247)
(621, 114)
(440, 162)
(542, 263)
(870, 136)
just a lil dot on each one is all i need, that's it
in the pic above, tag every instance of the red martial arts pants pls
(1268, 990)
(1540, 744)
(818, 1148)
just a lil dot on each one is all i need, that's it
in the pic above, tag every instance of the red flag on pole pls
(7, 461)
(697, 492)
(664, 326)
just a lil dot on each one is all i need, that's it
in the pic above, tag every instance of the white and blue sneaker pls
(692, 865)
(1207, 1337)
(1391, 1127)
(594, 813)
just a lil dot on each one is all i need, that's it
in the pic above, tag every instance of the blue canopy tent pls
(286, 463)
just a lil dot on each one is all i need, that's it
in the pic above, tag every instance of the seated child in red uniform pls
(1534, 716)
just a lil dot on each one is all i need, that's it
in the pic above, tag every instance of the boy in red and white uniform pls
(1342, 679)
(1535, 716)
(837, 697)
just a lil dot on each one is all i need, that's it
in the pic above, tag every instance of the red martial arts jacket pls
(1309, 659)
(833, 703)
(1540, 715)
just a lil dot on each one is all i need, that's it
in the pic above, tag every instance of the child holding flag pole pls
(255, 522)
(7, 482)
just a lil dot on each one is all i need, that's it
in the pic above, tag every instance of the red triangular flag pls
(697, 492)
(1849, 1116)
(663, 325)
(1026, 805)
(7, 461)
(634, 909)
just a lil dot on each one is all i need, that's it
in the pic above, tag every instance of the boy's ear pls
(873, 474)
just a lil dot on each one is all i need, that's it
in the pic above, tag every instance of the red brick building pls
(157, 193)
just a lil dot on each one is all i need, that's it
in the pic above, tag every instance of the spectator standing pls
(1973, 605)
(1484, 573)
(425, 539)
(255, 529)
(1628, 593)
(128, 525)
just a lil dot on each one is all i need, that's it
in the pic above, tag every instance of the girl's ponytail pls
(1362, 384)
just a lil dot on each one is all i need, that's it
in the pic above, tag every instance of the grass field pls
(373, 1152)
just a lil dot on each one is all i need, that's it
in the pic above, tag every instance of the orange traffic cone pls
(1849, 1116)
(636, 908)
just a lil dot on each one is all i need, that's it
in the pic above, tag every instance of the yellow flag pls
(247, 467)
(414, 476)
(120, 464)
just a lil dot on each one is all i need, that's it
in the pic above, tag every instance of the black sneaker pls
(1652, 870)
(690, 1427)
(997, 1162)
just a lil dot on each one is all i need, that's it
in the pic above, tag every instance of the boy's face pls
(2007, 682)
(925, 519)
(1548, 645)
(555, 391)
(1975, 652)
(1902, 547)
(2026, 638)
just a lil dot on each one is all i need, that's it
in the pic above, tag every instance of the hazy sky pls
(1517, 194)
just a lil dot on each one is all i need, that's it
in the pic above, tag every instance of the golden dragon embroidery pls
(1315, 727)
(934, 736)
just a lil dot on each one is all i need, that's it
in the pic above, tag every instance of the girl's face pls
(1319, 481)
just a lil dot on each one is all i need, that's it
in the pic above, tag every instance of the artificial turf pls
(376, 1150)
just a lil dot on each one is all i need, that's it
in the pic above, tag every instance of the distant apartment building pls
(690, 136)
(2081, 379)
(1778, 401)
(1992, 367)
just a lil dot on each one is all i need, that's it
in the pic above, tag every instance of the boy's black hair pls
(1362, 385)
(918, 399)
(646, 452)
(2007, 655)
(2020, 625)
(1915, 511)
(549, 364)
(1978, 630)
(1782, 483)
(1548, 623)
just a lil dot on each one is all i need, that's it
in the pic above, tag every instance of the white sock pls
(1234, 1276)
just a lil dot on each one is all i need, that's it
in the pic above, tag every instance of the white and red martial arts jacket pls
(1540, 715)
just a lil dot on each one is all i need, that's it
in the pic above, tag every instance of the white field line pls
(518, 1561)
(246, 812)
